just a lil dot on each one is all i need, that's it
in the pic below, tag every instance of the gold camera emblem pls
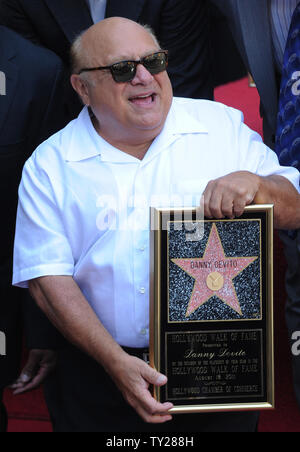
(215, 281)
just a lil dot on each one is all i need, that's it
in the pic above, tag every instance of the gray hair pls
(78, 54)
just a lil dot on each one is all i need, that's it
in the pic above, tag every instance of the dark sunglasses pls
(125, 71)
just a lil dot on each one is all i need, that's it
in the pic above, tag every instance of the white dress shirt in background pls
(84, 205)
(97, 9)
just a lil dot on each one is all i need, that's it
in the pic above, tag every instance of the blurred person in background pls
(262, 30)
(182, 27)
(30, 111)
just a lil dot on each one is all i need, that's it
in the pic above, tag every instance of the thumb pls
(155, 378)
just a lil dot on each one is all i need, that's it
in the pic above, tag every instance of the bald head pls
(98, 46)
(128, 114)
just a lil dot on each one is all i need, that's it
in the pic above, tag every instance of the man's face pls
(132, 110)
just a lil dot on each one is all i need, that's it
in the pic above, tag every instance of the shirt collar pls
(82, 142)
(181, 119)
(85, 142)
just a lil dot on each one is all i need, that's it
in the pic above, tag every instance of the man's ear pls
(81, 88)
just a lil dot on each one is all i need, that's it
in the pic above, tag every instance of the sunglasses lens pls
(124, 71)
(156, 63)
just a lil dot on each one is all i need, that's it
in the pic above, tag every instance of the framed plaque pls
(211, 328)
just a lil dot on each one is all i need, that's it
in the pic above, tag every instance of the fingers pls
(152, 411)
(31, 384)
(19, 384)
(39, 365)
(228, 196)
(154, 418)
(31, 366)
(27, 373)
(212, 200)
(134, 385)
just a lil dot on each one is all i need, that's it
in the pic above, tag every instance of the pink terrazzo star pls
(214, 274)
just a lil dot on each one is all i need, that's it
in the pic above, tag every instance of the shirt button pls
(144, 332)
(142, 290)
(142, 248)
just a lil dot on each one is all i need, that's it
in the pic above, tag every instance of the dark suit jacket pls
(250, 25)
(182, 27)
(29, 113)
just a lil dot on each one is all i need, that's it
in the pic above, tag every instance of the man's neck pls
(136, 149)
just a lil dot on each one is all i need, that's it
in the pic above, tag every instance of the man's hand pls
(133, 378)
(39, 365)
(65, 305)
(229, 195)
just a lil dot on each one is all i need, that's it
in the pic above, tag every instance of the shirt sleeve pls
(41, 245)
(258, 158)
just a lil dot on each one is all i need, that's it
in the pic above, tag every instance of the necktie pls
(288, 128)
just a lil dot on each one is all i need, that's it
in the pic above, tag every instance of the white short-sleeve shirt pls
(84, 205)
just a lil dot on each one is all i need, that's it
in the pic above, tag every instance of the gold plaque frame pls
(260, 329)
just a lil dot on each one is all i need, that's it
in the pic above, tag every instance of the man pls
(260, 28)
(287, 149)
(82, 237)
(29, 113)
(261, 32)
(182, 27)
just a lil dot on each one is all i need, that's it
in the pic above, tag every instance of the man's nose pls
(142, 75)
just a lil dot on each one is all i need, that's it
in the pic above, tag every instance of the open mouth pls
(143, 100)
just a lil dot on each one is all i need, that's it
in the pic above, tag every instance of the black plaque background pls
(224, 380)
(243, 325)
